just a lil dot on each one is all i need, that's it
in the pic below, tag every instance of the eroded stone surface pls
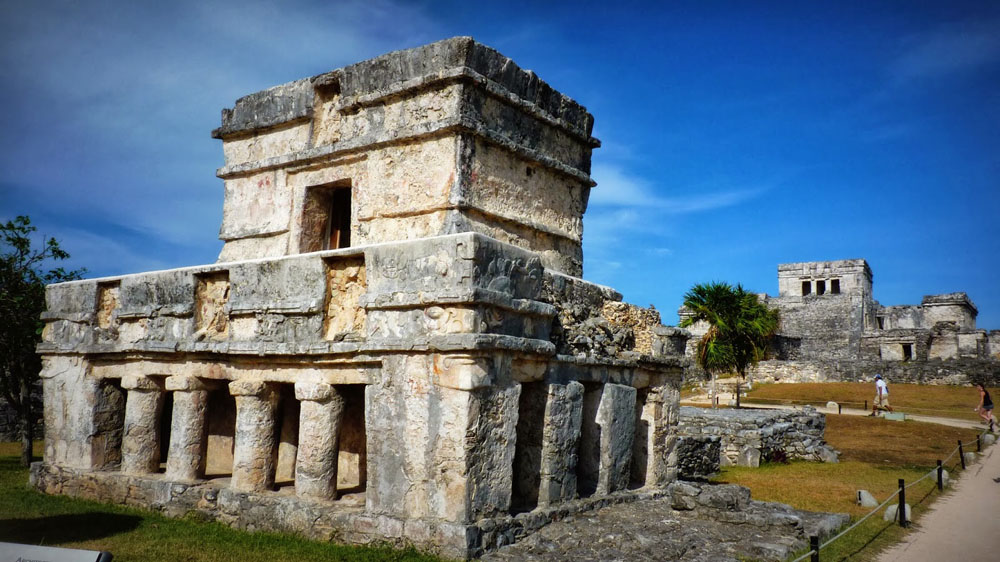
(717, 524)
(748, 436)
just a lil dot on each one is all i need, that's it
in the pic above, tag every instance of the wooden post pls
(814, 546)
(961, 454)
(940, 476)
(902, 503)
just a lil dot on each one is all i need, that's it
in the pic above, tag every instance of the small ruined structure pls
(746, 437)
(395, 344)
(832, 328)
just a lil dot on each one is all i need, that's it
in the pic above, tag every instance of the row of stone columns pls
(321, 415)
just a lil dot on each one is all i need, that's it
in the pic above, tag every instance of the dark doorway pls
(326, 220)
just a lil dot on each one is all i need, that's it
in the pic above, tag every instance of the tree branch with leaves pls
(740, 327)
(23, 276)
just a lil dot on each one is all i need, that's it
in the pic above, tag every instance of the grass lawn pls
(131, 534)
(937, 400)
(875, 454)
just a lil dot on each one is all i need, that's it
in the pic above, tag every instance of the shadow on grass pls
(62, 529)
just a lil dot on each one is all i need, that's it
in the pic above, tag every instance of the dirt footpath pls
(963, 525)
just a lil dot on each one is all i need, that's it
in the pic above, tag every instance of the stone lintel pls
(256, 388)
(314, 391)
(143, 382)
(187, 383)
(529, 370)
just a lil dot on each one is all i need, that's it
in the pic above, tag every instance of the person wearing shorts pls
(881, 401)
(985, 407)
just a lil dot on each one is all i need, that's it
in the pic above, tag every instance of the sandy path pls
(963, 525)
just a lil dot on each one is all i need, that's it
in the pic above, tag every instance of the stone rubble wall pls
(592, 320)
(751, 436)
(958, 372)
(698, 457)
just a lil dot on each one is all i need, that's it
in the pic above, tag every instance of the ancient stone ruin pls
(395, 343)
(832, 328)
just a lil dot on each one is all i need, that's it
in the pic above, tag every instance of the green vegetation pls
(22, 299)
(875, 454)
(29, 517)
(739, 328)
(939, 400)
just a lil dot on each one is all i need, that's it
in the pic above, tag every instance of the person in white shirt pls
(881, 401)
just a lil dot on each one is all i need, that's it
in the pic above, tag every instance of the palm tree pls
(739, 328)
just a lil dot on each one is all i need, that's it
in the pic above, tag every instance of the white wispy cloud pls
(952, 48)
(616, 187)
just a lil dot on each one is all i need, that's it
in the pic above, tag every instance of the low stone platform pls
(749, 436)
(692, 522)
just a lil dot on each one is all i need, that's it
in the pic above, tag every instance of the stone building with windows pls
(832, 328)
(395, 344)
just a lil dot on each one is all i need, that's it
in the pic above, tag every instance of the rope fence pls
(900, 494)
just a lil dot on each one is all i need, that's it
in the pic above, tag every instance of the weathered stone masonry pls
(395, 344)
(832, 328)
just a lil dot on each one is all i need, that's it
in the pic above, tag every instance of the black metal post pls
(839, 406)
(814, 546)
(866, 404)
(961, 455)
(940, 476)
(979, 445)
(902, 503)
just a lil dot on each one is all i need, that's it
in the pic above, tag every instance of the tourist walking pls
(881, 401)
(985, 407)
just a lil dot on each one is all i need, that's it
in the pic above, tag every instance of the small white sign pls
(10, 552)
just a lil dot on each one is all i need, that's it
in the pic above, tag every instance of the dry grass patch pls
(892, 443)
(875, 454)
(932, 400)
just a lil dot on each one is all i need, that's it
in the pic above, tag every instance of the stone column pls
(322, 409)
(563, 416)
(254, 448)
(188, 428)
(141, 442)
(616, 416)
(660, 412)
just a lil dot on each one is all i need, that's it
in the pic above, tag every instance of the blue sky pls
(736, 135)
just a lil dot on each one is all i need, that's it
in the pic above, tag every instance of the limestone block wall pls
(828, 326)
(748, 436)
(800, 279)
(448, 137)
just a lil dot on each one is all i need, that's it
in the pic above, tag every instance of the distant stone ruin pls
(395, 344)
(833, 329)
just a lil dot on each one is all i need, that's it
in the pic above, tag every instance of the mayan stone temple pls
(395, 343)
